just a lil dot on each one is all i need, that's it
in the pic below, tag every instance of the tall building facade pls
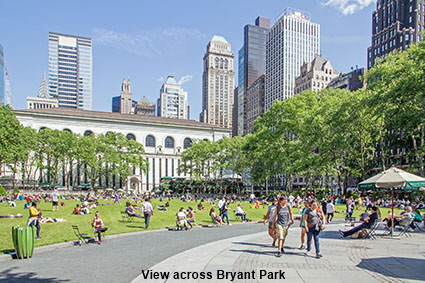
(315, 75)
(172, 102)
(254, 106)
(70, 70)
(218, 83)
(396, 24)
(2, 88)
(126, 97)
(293, 40)
(251, 65)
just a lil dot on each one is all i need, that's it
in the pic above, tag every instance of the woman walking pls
(302, 225)
(314, 222)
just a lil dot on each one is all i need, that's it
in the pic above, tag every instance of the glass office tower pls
(251, 65)
(292, 40)
(70, 70)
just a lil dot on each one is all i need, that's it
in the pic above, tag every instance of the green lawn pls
(62, 232)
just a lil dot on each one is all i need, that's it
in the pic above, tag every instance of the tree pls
(398, 84)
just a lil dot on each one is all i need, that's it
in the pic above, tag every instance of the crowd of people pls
(315, 214)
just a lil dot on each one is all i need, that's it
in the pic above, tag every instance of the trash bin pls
(23, 240)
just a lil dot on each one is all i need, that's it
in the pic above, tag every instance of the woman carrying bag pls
(314, 222)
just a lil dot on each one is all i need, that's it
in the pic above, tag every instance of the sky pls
(147, 41)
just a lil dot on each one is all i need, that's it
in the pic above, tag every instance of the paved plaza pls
(224, 254)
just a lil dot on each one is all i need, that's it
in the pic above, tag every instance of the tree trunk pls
(418, 155)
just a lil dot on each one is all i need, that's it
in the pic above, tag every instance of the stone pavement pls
(238, 248)
(345, 260)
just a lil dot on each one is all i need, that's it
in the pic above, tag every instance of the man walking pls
(55, 200)
(147, 211)
(282, 219)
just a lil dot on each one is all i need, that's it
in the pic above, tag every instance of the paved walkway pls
(207, 250)
(345, 260)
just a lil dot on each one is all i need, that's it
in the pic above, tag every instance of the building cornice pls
(117, 118)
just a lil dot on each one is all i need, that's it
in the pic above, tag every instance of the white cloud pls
(160, 79)
(146, 43)
(185, 79)
(348, 7)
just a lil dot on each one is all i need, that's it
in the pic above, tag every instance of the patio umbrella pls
(393, 178)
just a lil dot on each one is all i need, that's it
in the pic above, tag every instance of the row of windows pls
(149, 141)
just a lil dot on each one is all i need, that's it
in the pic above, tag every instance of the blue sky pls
(148, 40)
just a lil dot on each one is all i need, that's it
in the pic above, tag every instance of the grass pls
(59, 232)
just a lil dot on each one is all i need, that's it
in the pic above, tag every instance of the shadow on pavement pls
(25, 277)
(397, 267)
(273, 253)
(252, 244)
(331, 235)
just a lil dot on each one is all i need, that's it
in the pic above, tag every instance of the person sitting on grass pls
(215, 217)
(76, 210)
(200, 206)
(130, 212)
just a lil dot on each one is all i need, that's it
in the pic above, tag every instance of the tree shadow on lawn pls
(25, 277)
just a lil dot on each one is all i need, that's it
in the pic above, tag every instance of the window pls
(131, 137)
(88, 133)
(150, 141)
(169, 142)
(187, 143)
(67, 130)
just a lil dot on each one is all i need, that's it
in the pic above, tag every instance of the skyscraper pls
(70, 70)
(2, 89)
(218, 83)
(251, 65)
(126, 97)
(396, 24)
(292, 40)
(172, 102)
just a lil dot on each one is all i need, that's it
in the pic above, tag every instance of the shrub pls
(3, 191)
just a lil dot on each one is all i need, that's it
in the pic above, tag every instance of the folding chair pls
(371, 232)
(125, 217)
(405, 230)
(238, 217)
(418, 225)
(82, 238)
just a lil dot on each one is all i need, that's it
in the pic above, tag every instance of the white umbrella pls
(393, 178)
